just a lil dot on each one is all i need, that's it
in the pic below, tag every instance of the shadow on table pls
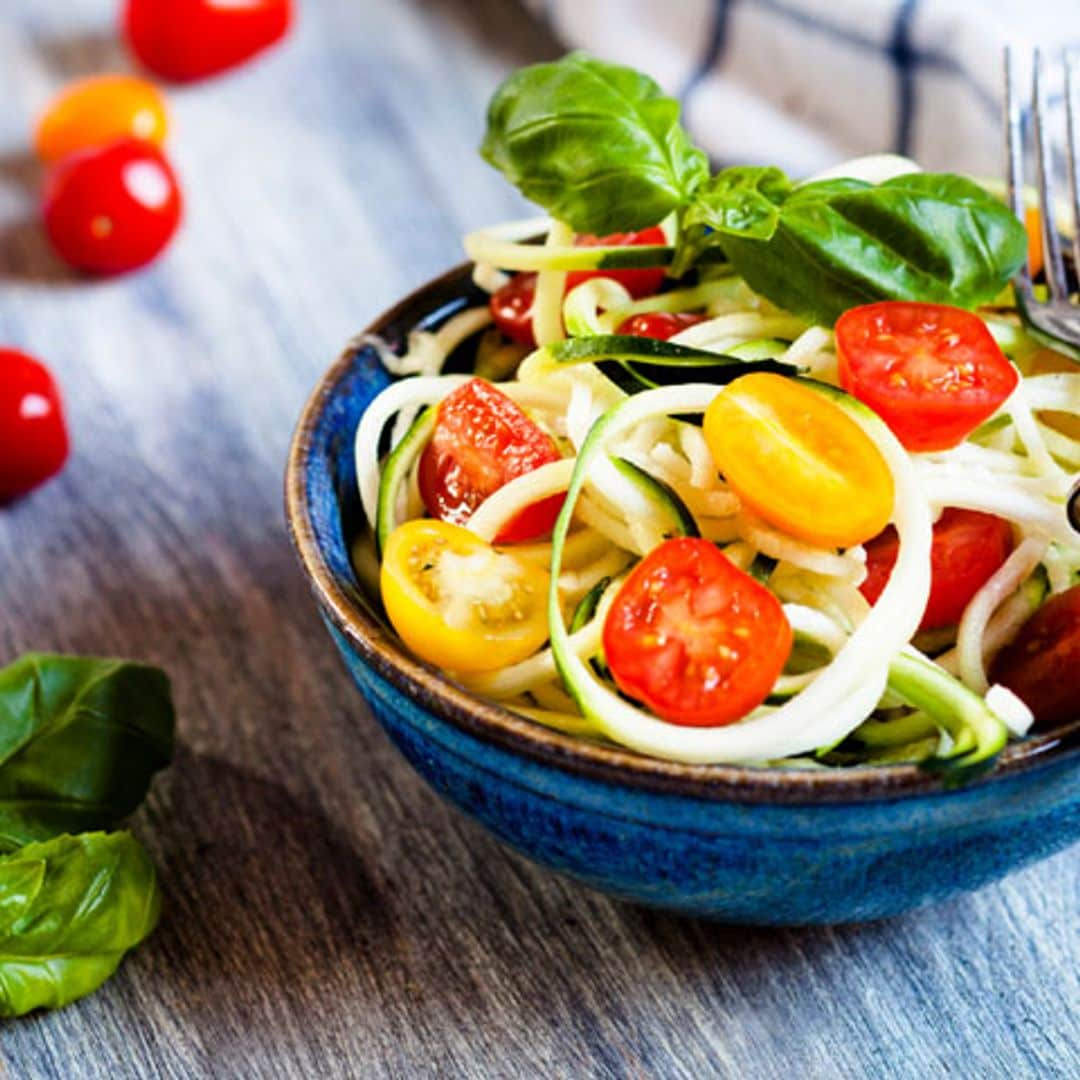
(85, 53)
(265, 897)
(25, 252)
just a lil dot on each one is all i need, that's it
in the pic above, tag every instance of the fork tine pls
(1072, 107)
(1055, 265)
(1014, 162)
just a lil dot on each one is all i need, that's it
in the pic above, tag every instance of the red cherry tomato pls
(33, 435)
(111, 210)
(659, 324)
(511, 308)
(1041, 663)
(637, 283)
(693, 637)
(481, 441)
(932, 373)
(967, 549)
(185, 40)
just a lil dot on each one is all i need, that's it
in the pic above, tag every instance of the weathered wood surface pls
(326, 915)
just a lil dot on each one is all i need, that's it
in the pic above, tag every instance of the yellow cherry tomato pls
(99, 110)
(460, 603)
(799, 461)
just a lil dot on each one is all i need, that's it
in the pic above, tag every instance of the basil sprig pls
(70, 908)
(598, 145)
(80, 741)
(820, 248)
(601, 148)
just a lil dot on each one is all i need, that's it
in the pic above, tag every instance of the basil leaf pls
(69, 910)
(80, 740)
(598, 145)
(931, 237)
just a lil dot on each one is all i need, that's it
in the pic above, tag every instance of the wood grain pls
(326, 916)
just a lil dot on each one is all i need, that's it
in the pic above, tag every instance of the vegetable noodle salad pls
(772, 474)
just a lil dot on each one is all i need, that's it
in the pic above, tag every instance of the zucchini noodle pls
(862, 682)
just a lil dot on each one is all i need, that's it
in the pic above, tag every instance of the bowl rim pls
(491, 723)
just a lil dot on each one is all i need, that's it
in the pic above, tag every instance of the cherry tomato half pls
(637, 283)
(693, 637)
(185, 40)
(1041, 664)
(659, 324)
(511, 308)
(93, 112)
(111, 210)
(932, 373)
(33, 436)
(457, 602)
(967, 549)
(481, 441)
(799, 461)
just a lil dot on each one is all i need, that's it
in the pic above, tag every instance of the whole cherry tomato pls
(637, 283)
(1041, 664)
(967, 549)
(481, 441)
(93, 112)
(33, 436)
(694, 637)
(932, 373)
(511, 308)
(185, 40)
(111, 210)
(659, 324)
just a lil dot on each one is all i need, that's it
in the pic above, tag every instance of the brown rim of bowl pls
(491, 723)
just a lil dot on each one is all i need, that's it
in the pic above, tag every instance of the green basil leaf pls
(69, 909)
(930, 237)
(80, 740)
(598, 145)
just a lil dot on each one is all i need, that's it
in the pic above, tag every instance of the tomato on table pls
(114, 209)
(967, 549)
(693, 637)
(481, 441)
(457, 602)
(661, 325)
(933, 373)
(185, 40)
(1041, 664)
(637, 282)
(33, 436)
(799, 461)
(100, 110)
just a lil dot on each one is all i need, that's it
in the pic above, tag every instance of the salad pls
(741, 469)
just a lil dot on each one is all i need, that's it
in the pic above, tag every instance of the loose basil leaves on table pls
(600, 147)
(80, 740)
(70, 908)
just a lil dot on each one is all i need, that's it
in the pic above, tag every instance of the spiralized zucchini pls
(854, 674)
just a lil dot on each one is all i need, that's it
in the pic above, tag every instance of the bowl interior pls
(325, 519)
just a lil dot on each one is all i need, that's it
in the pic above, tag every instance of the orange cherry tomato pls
(96, 111)
(933, 373)
(1033, 225)
(968, 548)
(799, 461)
(694, 637)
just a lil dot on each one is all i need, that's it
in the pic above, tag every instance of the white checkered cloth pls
(806, 83)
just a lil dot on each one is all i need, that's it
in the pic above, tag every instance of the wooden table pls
(326, 914)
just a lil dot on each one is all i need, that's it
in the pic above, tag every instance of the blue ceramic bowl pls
(750, 845)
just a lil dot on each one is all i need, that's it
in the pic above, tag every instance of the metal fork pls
(1056, 320)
